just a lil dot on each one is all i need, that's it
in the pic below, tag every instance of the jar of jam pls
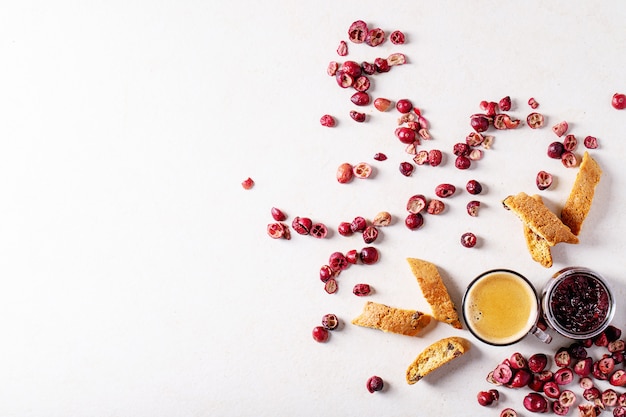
(578, 303)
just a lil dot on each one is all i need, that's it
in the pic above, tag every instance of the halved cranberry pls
(351, 68)
(534, 120)
(369, 255)
(416, 203)
(504, 121)
(583, 367)
(567, 398)
(370, 234)
(332, 68)
(277, 231)
(508, 412)
(461, 148)
(606, 365)
(503, 373)
(472, 208)
(484, 398)
(533, 103)
(375, 37)
(326, 273)
(518, 361)
(344, 80)
(397, 37)
(543, 180)
(421, 157)
(396, 58)
(609, 397)
(591, 393)
(569, 159)
(618, 378)
(247, 184)
(562, 358)
(435, 206)
(570, 143)
(559, 409)
(379, 156)
(551, 389)
(521, 378)
(361, 84)
(331, 286)
(473, 139)
(318, 230)
(358, 31)
(362, 170)
(564, 376)
(337, 261)
(560, 128)
(342, 49)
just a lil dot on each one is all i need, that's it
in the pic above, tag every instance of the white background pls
(136, 275)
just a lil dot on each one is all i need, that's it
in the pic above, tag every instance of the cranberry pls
(318, 230)
(396, 59)
(382, 65)
(405, 135)
(504, 121)
(369, 255)
(328, 121)
(591, 393)
(505, 103)
(358, 31)
(560, 128)
(380, 156)
(404, 105)
(344, 229)
(564, 376)
(358, 224)
(583, 367)
(375, 37)
(397, 37)
(302, 225)
(559, 409)
(362, 170)
(521, 378)
(247, 183)
(368, 68)
(337, 261)
(435, 206)
(609, 397)
(330, 321)
(535, 120)
(382, 219)
(484, 398)
(472, 208)
(618, 378)
(480, 122)
(331, 286)
(555, 150)
(567, 398)
(333, 67)
(552, 389)
(473, 139)
(535, 403)
(277, 231)
(462, 162)
(606, 365)
(421, 157)
(586, 383)
(461, 148)
(570, 143)
(543, 180)
(351, 68)
(370, 234)
(375, 383)
(406, 168)
(326, 273)
(362, 84)
(533, 103)
(445, 190)
(416, 203)
(277, 214)
(569, 159)
(352, 256)
(562, 358)
(491, 109)
(382, 104)
(344, 80)
(434, 157)
(361, 290)
(619, 101)
(357, 116)
(342, 49)
(320, 334)
(473, 187)
(345, 173)
(468, 240)
(537, 362)
(414, 221)
(508, 412)
(360, 98)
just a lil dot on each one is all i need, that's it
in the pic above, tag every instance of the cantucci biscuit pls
(539, 219)
(537, 246)
(434, 356)
(579, 201)
(435, 292)
(391, 319)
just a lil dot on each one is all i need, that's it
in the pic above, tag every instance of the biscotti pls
(539, 219)
(580, 198)
(435, 356)
(391, 319)
(537, 246)
(435, 292)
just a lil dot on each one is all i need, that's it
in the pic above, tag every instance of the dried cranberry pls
(375, 383)
(535, 403)
(472, 208)
(357, 116)
(342, 49)
(543, 180)
(445, 190)
(405, 135)
(414, 221)
(397, 37)
(480, 122)
(320, 334)
(318, 230)
(590, 142)
(461, 148)
(434, 157)
(361, 84)
(247, 183)
(406, 168)
(331, 286)
(370, 234)
(361, 290)
(535, 120)
(358, 31)
(473, 187)
(404, 106)
(560, 128)
(337, 261)
(360, 98)
(537, 362)
(358, 224)
(326, 273)
(302, 225)
(382, 65)
(619, 101)
(380, 156)
(375, 37)
(505, 103)
(555, 150)
(344, 229)
(278, 214)
(369, 255)
(382, 104)
(468, 240)
(328, 121)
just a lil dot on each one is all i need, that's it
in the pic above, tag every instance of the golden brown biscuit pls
(579, 201)
(391, 319)
(435, 292)
(537, 246)
(434, 356)
(540, 219)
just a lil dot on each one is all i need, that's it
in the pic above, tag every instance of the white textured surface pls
(137, 278)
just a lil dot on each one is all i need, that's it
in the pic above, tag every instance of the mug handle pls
(541, 334)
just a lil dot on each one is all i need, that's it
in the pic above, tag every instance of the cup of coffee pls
(578, 303)
(501, 307)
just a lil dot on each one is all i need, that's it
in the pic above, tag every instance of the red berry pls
(345, 173)
(361, 290)
(619, 101)
(397, 37)
(358, 31)
(278, 215)
(320, 334)
(404, 106)
(414, 221)
(247, 183)
(375, 383)
(406, 168)
(327, 120)
(369, 255)
(468, 239)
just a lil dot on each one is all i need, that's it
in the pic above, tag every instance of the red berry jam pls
(580, 303)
